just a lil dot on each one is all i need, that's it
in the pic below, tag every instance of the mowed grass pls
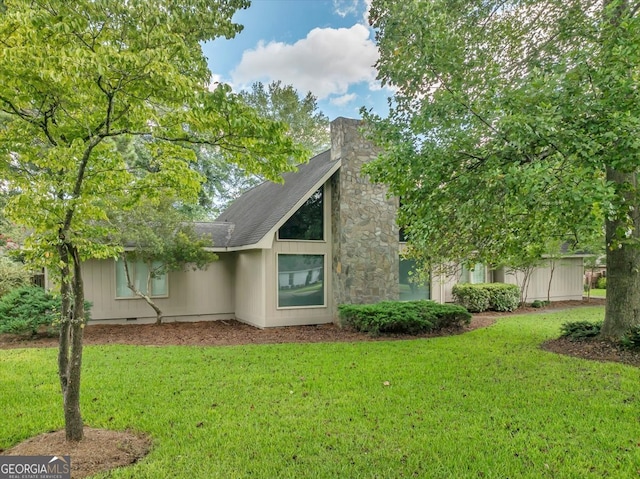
(489, 404)
(597, 293)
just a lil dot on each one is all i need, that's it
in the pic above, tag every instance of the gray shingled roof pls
(257, 211)
(218, 233)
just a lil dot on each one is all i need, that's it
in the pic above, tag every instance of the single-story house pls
(290, 253)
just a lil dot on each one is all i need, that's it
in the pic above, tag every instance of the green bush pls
(580, 330)
(502, 296)
(473, 297)
(409, 317)
(483, 296)
(631, 339)
(25, 310)
(539, 303)
(12, 275)
(601, 283)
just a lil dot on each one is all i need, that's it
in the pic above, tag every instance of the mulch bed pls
(220, 333)
(100, 450)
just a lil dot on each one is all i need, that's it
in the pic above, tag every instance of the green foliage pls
(514, 124)
(154, 90)
(631, 339)
(580, 330)
(538, 303)
(156, 231)
(474, 297)
(481, 297)
(601, 283)
(27, 309)
(502, 296)
(308, 126)
(79, 76)
(410, 317)
(12, 275)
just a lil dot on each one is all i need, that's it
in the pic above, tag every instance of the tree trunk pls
(552, 269)
(623, 261)
(140, 294)
(71, 336)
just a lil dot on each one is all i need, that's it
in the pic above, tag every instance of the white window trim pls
(324, 284)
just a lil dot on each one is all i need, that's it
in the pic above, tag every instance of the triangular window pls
(307, 223)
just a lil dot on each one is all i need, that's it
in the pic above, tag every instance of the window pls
(300, 280)
(139, 272)
(308, 222)
(410, 286)
(475, 275)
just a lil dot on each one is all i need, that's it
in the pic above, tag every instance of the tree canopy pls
(308, 127)
(514, 125)
(76, 77)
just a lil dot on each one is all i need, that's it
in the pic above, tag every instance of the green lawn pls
(486, 404)
(597, 293)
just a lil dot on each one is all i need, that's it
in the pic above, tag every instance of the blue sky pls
(322, 46)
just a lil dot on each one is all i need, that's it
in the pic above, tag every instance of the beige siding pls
(250, 287)
(441, 287)
(304, 315)
(193, 295)
(566, 283)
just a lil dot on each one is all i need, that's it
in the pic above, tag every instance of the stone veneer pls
(363, 223)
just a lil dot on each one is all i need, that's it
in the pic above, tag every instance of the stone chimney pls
(363, 223)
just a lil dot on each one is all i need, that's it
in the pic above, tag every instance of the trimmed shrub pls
(25, 310)
(410, 317)
(448, 315)
(483, 296)
(474, 297)
(580, 330)
(601, 283)
(502, 296)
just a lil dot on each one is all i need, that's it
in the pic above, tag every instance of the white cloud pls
(326, 62)
(345, 7)
(367, 5)
(343, 100)
(214, 81)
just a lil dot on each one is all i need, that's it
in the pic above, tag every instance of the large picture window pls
(307, 223)
(412, 286)
(139, 272)
(300, 280)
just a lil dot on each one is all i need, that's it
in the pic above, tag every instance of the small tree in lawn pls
(159, 235)
(76, 77)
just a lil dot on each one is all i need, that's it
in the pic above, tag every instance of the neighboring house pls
(290, 253)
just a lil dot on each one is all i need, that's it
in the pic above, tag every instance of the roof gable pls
(265, 207)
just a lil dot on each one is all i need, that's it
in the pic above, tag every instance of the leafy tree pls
(161, 236)
(515, 123)
(76, 76)
(308, 127)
